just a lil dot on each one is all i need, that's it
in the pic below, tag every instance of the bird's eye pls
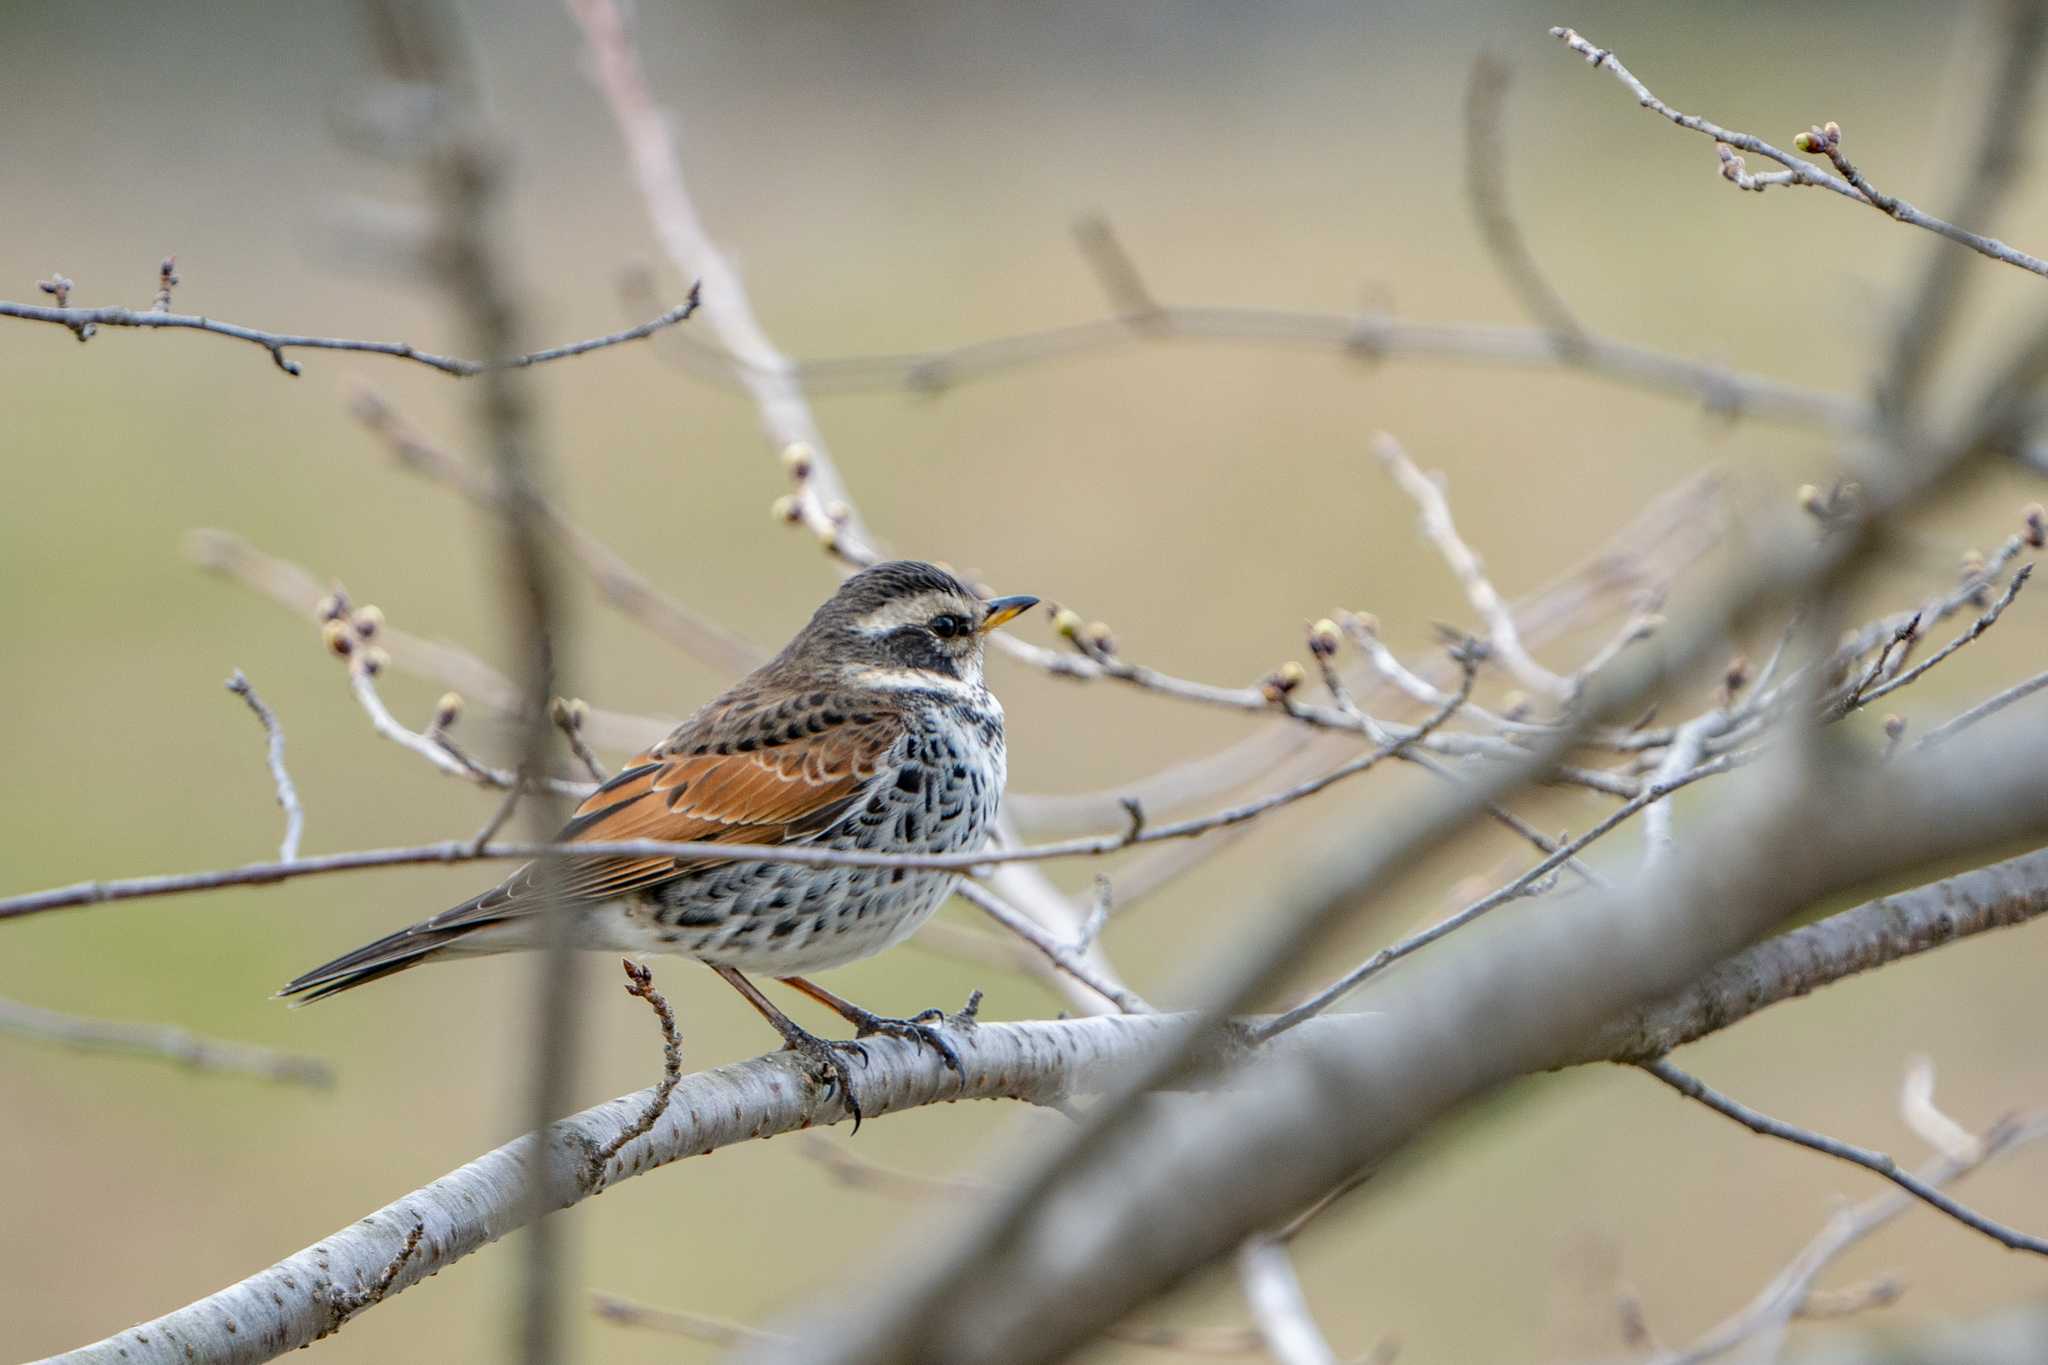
(946, 625)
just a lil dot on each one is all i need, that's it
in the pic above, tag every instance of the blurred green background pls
(894, 177)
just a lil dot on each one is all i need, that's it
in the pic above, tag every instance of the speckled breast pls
(938, 793)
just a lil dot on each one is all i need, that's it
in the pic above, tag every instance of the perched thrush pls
(871, 731)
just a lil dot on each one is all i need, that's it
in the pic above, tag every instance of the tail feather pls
(373, 961)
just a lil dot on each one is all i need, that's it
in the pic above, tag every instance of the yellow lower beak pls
(1005, 609)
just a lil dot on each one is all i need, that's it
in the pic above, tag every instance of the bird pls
(873, 730)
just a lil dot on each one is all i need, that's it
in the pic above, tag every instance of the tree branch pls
(83, 322)
(1797, 171)
(1040, 1062)
(162, 1043)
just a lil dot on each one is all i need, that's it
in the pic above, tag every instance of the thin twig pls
(1990, 706)
(1977, 628)
(287, 794)
(627, 590)
(84, 321)
(1797, 171)
(291, 586)
(1068, 958)
(161, 1042)
(1693, 1088)
(1486, 92)
(640, 985)
(759, 366)
(439, 752)
(1688, 748)
(696, 1326)
(568, 716)
(1790, 1289)
(1369, 337)
(1394, 952)
(1278, 1306)
(1928, 1122)
(1501, 634)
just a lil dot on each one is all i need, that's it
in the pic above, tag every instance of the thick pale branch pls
(1039, 1062)
(1156, 1196)
(1884, 930)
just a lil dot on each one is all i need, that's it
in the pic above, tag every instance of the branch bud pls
(1067, 622)
(336, 637)
(448, 710)
(789, 507)
(2036, 521)
(1276, 686)
(1096, 638)
(1323, 638)
(374, 659)
(368, 621)
(797, 458)
(1737, 676)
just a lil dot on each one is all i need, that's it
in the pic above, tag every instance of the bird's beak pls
(1005, 609)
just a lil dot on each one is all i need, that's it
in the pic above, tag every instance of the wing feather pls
(749, 791)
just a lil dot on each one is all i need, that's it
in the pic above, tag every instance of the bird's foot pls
(826, 1060)
(919, 1028)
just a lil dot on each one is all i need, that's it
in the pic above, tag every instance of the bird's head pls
(901, 621)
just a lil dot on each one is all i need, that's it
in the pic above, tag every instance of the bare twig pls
(439, 752)
(1069, 958)
(640, 985)
(1370, 337)
(287, 794)
(1493, 900)
(857, 1172)
(1688, 748)
(618, 582)
(569, 715)
(760, 368)
(161, 1042)
(1990, 706)
(1278, 1305)
(1983, 623)
(695, 1326)
(83, 322)
(1797, 171)
(1486, 91)
(1928, 1122)
(292, 587)
(1501, 634)
(1791, 1289)
(464, 170)
(1764, 1125)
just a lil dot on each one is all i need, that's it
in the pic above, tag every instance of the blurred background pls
(898, 177)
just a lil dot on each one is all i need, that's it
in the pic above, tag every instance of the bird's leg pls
(823, 1054)
(867, 1023)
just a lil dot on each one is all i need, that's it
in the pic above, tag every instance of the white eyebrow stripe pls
(909, 611)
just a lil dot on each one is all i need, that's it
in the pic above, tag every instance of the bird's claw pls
(919, 1030)
(826, 1062)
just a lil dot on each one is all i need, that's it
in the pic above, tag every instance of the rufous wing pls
(769, 794)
